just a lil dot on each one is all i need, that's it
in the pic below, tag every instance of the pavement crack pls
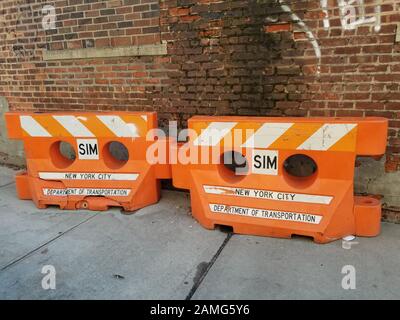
(204, 271)
(15, 261)
(7, 184)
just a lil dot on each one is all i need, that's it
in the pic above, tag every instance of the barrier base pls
(274, 232)
(367, 218)
(368, 215)
(26, 190)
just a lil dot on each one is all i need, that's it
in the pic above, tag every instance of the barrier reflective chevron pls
(281, 176)
(87, 160)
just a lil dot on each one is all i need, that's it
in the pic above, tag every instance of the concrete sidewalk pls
(160, 252)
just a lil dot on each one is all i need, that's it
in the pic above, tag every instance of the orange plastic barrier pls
(291, 176)
(109, 167)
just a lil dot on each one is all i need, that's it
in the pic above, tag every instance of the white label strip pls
(88, 176)
(266, 135)
(88, 149)
(326, 136)
(269, 195)
(86, 192)
(266, 214)
(214, 133)
(264, 162)
(32, 127)
(73, 126)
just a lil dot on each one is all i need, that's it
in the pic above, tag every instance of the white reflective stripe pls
(88, 176)
(213, 134)
(268, 195)
(266, 135)
(119, 127)
(326, 136)
(86, 192)
(144, 117)
(32, 127)
(265, 213)
(73, 126)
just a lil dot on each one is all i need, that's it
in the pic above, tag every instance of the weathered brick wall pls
(30, 82)
(268, 58)
(87, 24)
(245, 57)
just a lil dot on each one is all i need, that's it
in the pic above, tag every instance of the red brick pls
(102, 42)
(179, 12)
(121, 41)
(278, 27)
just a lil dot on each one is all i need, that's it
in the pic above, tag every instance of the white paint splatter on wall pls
(352, 14)
(310, 36)
(324, 5)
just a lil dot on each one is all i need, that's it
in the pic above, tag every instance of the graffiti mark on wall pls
(310, 36)
(324, 5)
(353, 14)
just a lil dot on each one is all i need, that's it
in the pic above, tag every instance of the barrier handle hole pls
(235, 162)
(62, 154)
(115, 154)
(300, 165)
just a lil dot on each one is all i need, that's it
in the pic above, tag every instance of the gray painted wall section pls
(88, 53)
(11, 151)
(371, 178)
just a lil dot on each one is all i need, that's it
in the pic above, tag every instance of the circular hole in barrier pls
(115, 154)
(300, 166)
(62, 154)
(233, 165)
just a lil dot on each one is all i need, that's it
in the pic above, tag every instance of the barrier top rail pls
(364, 136)
(80, 124)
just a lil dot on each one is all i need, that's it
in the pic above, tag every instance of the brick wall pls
(245, 57)
(87, 24)
(30, 82)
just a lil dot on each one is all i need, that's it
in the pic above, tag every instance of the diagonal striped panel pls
(241, 133)
(119, 127)
(141, 123)
(295, 136)
(347, 143)
(85, 125)
(328, 135)
(95, 126)
(32, 127)
(55, 128)
(214, 133)
(317, 136)
(74, 126)
(267, 135)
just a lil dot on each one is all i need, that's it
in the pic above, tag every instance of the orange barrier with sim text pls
(82, 160)
(281, 177)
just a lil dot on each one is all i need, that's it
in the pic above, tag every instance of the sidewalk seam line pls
(209, 266)
(8, 265)
(7, 184)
